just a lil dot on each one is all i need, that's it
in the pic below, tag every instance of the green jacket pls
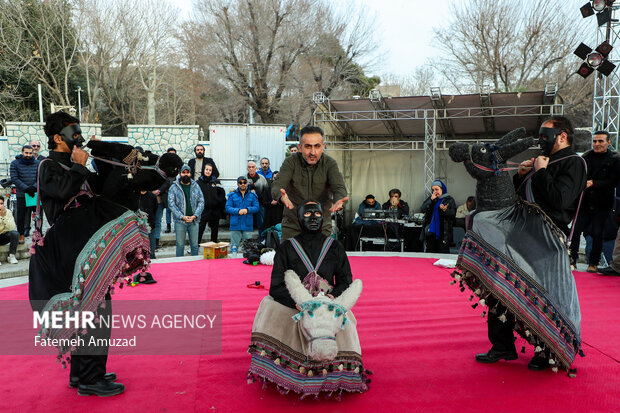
(322, 182)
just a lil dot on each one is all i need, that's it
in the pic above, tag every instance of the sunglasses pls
(243, 182)
(36, 146)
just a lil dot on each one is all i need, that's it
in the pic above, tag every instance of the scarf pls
(435, 225)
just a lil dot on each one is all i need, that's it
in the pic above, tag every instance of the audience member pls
(463, 210)
(369, 228)
(265, 170)
(24, 177)
(241, 205)
(36, 147)
(439, 212)
(397, 204)
(292, 149)
(259, 185)
(197, 165)
(215, 203)
(603, 171)
(273, 208)
(186, 203)
(8, 234)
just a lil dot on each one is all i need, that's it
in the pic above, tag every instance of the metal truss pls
(606, 105)
(421, 114)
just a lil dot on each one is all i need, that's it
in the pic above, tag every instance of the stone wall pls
(158, 138)
(19, 134)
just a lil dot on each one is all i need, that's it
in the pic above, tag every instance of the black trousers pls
(90, 366)
(594, 222)
(11, 238)
(436, 245)
(213, 226)
(23, 215)
(500, 334)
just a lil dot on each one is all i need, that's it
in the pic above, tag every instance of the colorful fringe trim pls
(291, 370)
(116, 251)
(486, 272)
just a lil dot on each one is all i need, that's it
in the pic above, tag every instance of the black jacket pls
(403, 208)
(148, 204)
(604, 171)
(215, 199)
(58, 185)
(556, 189)
(335, 267)
(192, 165)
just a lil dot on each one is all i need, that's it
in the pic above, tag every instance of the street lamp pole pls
(250, 92)
(79, 92)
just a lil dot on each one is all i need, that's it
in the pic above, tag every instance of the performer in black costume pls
(277, 347)
(335, 265)
(556, 184)
(68, 192)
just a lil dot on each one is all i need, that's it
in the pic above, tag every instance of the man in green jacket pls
(310, 174)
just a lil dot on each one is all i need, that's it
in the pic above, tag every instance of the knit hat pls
(185, 167)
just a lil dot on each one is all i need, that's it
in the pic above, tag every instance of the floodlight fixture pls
(595, 59)
(602, 9)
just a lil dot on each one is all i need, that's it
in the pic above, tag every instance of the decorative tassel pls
(483, 314)
(310, 373)
(503, 318)
(302, 369)
(538, 349)
(263, 353)
(471, 297)
(482, 302)
(341, 367)
(277, 361)
(523, 349)
(474, 306)
(325, 374)
(555, 369)
(581, 353)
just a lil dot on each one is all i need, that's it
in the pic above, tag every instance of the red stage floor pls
(418, 335)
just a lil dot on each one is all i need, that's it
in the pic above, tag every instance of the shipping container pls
(232, 145)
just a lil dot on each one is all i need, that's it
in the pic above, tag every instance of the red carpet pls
(418, 334)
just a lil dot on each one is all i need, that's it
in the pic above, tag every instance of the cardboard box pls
(212, 250)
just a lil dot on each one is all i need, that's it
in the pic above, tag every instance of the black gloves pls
(31, 190)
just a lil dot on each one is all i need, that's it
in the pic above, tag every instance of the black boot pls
(102, 388)
(168, 229)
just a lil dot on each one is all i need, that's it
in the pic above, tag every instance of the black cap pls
(242, 178)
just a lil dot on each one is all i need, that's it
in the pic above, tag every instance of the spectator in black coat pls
(439, 212)
(598, 198)
(215, 203)
(197, 165)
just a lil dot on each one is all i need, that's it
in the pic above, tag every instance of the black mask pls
(72, 135)
(186, 179)
(314, 221)
(546, 139)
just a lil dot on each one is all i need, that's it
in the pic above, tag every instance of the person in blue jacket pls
(241, 205)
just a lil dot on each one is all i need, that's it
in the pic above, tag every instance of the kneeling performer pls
(310, 285)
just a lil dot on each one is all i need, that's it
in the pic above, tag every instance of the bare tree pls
(286, 46)
(505, 43)
(39, 37)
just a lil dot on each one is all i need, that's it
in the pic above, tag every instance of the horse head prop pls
(321, 318)
(485, 162)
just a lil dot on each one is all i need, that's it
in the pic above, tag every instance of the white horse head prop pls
(321, 317)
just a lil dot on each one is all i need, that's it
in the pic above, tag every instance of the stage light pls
(595, 59)
(602, 9)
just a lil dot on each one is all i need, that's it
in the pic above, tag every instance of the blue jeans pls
(181, 228)
(168, 216)
(237, 236)
(158, 214)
